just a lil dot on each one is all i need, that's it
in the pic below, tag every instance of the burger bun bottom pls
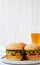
(14, 58)
(32, 57)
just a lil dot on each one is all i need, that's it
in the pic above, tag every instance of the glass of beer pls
(35, 38)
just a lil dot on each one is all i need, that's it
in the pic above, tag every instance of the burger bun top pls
(16, 46)
(32, 46)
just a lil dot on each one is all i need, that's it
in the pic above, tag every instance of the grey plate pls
(4, 60)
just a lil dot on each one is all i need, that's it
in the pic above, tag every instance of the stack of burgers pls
(21, 51)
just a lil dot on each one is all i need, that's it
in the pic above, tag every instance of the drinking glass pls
(35, 38)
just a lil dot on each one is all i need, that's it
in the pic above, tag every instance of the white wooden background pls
(18, 18)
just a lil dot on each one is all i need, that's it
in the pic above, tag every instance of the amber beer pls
(35, 38)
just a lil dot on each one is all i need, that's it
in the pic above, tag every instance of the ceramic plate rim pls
(7, 61)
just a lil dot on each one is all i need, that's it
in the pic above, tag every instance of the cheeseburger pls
(32, 51)
(15, 51)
